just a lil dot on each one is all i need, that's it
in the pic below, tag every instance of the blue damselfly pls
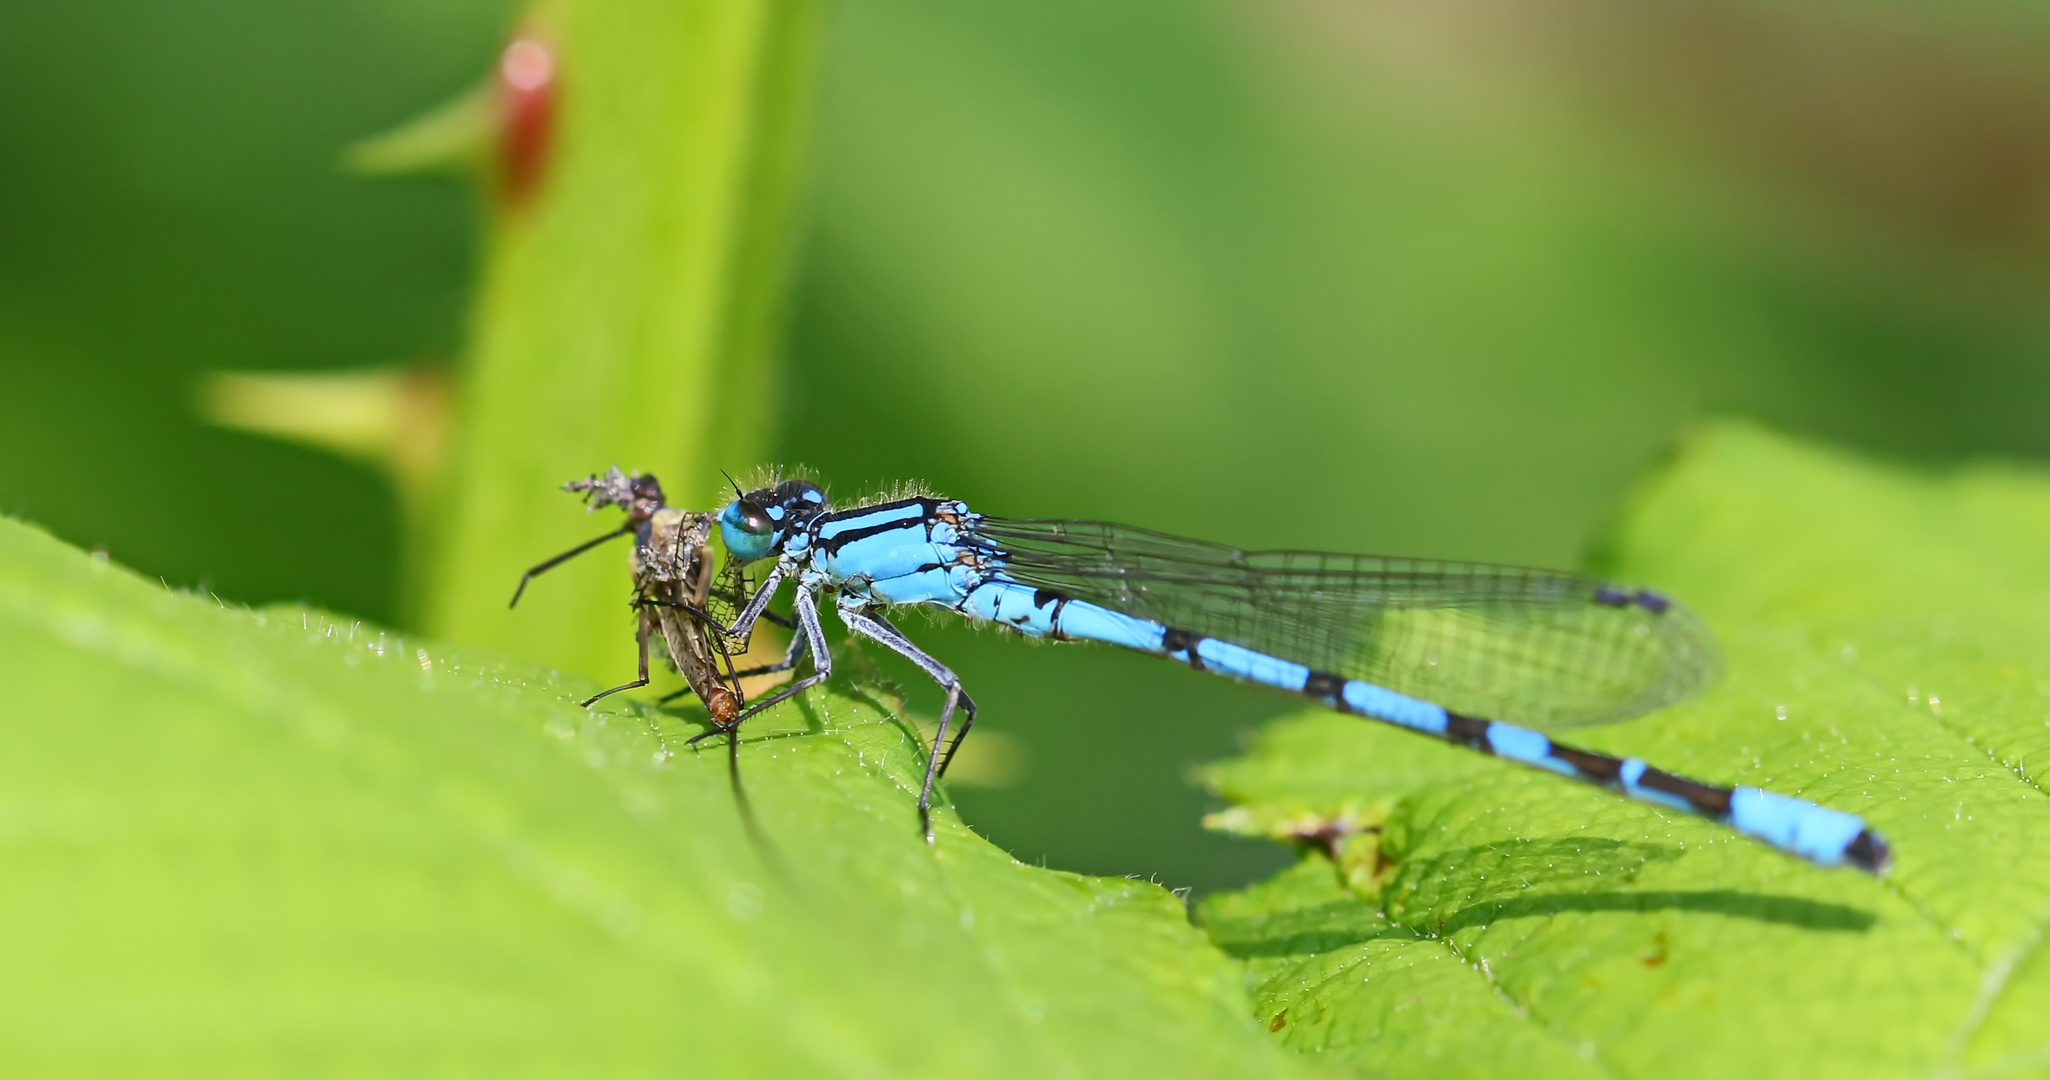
(1437, 648)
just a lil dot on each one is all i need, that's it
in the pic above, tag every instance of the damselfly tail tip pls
(1869, 851)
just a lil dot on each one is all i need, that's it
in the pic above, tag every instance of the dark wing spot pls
(1653, 602)
(1611, 596)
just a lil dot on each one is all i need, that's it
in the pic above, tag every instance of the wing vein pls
(1538, 647)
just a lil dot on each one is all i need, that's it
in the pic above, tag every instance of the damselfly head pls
(754, 524)
(640, 495)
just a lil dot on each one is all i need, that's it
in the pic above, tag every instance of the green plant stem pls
(628, 309)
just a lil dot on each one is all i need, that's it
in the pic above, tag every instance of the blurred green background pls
(1379, 275)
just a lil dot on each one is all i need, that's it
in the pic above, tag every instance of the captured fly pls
(673, 574)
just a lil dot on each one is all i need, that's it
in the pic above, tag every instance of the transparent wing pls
(1535, 647)
(732, 587)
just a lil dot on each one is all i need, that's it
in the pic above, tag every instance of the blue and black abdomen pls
(1434, 647)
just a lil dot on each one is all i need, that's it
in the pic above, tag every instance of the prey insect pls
(673, 581)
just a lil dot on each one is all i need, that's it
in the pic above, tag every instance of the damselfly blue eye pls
(746, 528)
(751, 519)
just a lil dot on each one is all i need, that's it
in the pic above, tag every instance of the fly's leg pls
(811, 636)
(790, 657)
(744, 624)
(879, 630)
(640, 636)
(703, 592)
(549, 564)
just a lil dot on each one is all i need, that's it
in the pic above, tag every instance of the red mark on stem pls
(527, 85)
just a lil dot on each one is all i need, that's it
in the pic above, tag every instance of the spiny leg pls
(731, 682)
(879, 630)
(935, 670)
(646, 602)
(744, 624)
(813, 638)
(692, 610)
(640, 636)
(967, 721)
(790, 658)
(790, 655)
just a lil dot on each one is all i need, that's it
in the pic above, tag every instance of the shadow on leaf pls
(1786, 910)
(1296, 934)
(1331, 926)
(1509, 870)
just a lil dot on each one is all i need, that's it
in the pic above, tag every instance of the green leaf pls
(271, 842)
(1887, 646)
